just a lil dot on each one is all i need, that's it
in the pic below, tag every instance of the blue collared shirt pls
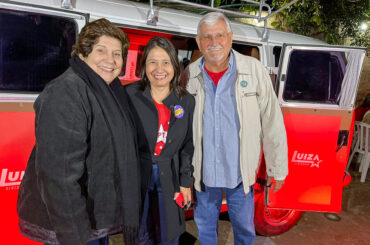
(221, 127)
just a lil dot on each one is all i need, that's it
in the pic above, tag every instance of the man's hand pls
(278, 184)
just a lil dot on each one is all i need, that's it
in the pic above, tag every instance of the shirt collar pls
(230, 67)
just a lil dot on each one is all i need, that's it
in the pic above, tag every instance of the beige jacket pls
(261, 121)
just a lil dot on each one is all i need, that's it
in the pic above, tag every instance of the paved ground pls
(353, 228)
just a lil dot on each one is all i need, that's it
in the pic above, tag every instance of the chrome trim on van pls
(44, 10)
(13, 97)
(312, 105)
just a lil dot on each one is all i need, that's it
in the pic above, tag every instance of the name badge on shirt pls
(179, 111)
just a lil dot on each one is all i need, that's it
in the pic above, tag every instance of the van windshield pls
(34, 49)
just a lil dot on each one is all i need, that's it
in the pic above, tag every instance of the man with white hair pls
(236, 111)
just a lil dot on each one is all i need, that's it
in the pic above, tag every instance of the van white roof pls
(129, 13)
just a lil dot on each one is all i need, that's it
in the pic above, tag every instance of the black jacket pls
(70, 184)
(175, 161)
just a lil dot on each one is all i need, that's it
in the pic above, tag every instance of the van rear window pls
(34, 49)
(315, 76)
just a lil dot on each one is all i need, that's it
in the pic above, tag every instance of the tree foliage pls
(330, 20)
(362, 39)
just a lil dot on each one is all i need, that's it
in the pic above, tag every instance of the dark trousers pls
(153, 228)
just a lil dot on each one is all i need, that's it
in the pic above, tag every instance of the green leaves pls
(317, 20)
(362, 40)
(331, 20)
(275, 24)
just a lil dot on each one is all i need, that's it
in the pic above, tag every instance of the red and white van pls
(315, 83)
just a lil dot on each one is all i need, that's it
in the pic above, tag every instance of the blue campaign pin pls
(179, 111)
(244, 84)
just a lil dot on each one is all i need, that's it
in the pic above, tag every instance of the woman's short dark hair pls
(90, 34)
(164, 43)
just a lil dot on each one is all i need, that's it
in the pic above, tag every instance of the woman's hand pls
(186, 192)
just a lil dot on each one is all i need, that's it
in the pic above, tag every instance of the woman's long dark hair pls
(164, 43)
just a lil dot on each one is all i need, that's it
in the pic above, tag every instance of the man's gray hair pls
(211, 19)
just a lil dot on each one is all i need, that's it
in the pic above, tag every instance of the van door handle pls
(342, 139)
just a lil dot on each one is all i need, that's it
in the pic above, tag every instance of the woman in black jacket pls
(82, 178)
(163, 113)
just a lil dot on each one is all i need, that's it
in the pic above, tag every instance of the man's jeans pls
(241, 212)
(153, 229)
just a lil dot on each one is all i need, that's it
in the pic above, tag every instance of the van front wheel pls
(270, 222)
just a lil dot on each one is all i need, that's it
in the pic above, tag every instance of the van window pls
(276, 51)
(140, 51)
(34, 49)
(186, 47)
(249, 50)
(314, 76)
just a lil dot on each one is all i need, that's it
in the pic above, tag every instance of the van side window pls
(249, 50)
(140, 51)
(185, 46)
(187, 50)
(276, 51)
(314, 76)
(34, 49)
(183, 57)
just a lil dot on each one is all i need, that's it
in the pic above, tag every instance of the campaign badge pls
(179, 111)
(244, 84)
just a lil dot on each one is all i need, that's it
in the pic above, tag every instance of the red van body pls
(319, 126)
